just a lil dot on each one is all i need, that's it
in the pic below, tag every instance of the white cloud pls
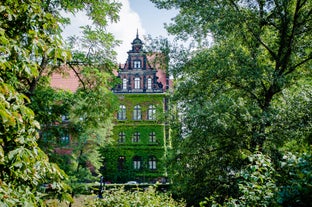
(76, 21)
(125, 29)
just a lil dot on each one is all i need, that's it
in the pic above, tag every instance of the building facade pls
(141, 139)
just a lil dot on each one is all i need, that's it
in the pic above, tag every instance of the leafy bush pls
(262, 185)
(147, 198)
(24, 167)
(256, 184)
(296, 180)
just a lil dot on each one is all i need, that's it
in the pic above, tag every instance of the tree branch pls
(78, 75)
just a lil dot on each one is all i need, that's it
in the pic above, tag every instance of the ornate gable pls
(137, 76)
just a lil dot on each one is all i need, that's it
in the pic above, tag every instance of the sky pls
(135, 15)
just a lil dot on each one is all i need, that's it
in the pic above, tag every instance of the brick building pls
(141, 134)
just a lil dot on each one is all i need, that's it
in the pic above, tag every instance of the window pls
(152, 137)
(46, 136)
(149, 83)
(136, 137)
(152, 163)
(136, 162)
(65, 118)
(64, 140)
(122, 137)
(124, 84)
(121, 162)
(151, 112)
(121, 113)
(137, 113)
(137, 83)
(137, 64)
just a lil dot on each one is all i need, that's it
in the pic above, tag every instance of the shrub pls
(147, 198)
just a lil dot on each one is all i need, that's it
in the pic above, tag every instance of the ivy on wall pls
(129, 149)
(143, 147)
(144, 130)
(144, 174)
(144, 101)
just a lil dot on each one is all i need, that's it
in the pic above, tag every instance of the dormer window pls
(137, 64)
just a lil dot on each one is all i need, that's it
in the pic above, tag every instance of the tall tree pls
(239, 94)
(31, 49)
(24, 166)
(89, 109)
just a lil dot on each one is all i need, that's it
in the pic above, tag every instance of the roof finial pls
(137, 35)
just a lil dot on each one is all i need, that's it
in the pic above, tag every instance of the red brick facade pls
(137, 66)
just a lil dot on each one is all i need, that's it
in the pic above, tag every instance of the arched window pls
(137, 113)
(149, 83)
(137, 64)
(137, 162)
(124, 84)
(151, 112)
(137, 83)
(152, 163)
(121, 162)
(121, 113)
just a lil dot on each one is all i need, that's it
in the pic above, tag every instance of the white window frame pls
(149, 83)
(137, 64)
(122, 137)
(151, 112)
(152, 163)
(136, 163)
(124, 84)
(122, 112)
(136, 137)
(137, 113)
(137, 83)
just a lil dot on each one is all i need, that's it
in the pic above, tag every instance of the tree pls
(24, 166)
(238, 95)
(89, 110)
(42, 36)
(256, 184)
(31, 49)
(274, 40)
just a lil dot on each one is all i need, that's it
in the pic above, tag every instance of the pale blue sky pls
(134, 14)
(152, 18)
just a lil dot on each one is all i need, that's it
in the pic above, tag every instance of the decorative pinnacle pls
(137, 35)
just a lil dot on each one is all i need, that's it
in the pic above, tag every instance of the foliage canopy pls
(32, 48)
(250, 91)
